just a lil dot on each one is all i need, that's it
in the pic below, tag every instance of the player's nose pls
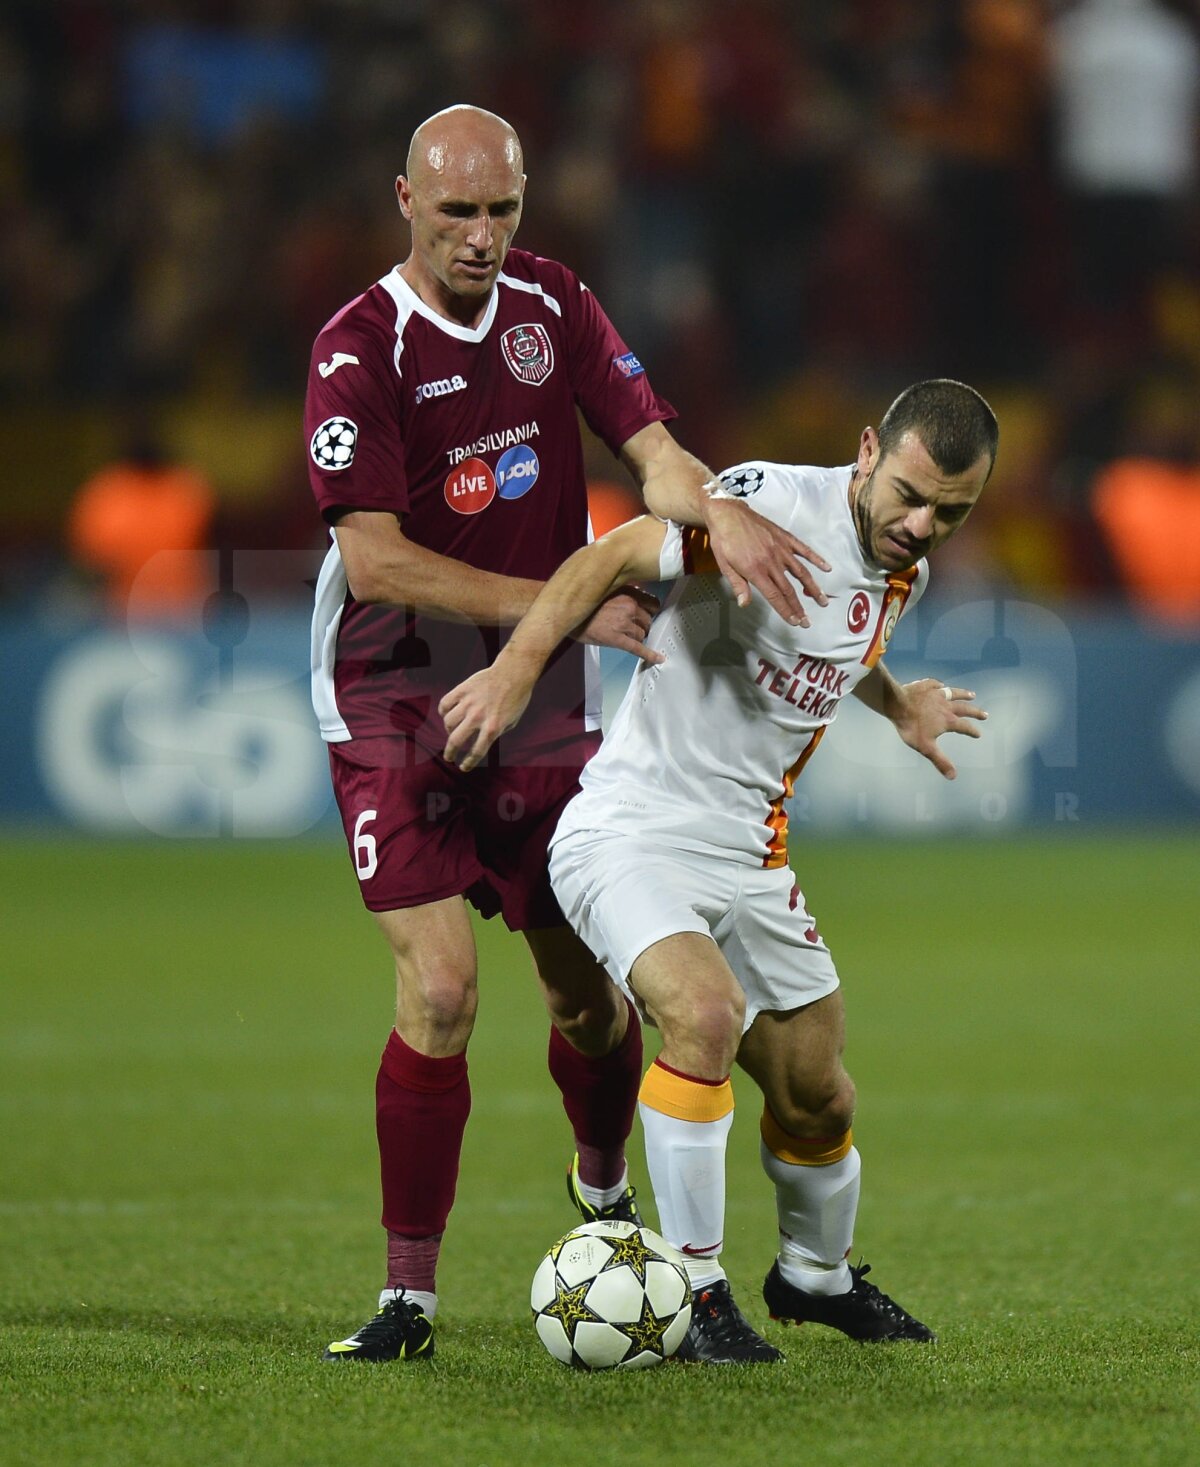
(918, 523)
(479, 236)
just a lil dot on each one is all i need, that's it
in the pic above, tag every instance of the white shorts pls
(623, 893)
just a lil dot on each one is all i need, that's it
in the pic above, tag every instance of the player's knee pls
(822, 1108)
(837, 1114)
(442, 1000)
(713, 1026)
(592, 1025)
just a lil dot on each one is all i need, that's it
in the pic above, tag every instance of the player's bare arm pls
(490, 702)
(922, 712)
(384, 566)
(750, 550)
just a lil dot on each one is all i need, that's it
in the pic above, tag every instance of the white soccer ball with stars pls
(611, 1296)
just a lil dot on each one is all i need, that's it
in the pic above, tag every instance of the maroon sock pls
(421, 1109)
(412, 1262)
(600, 1097)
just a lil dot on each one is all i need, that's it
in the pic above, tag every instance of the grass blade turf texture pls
(187, 1055)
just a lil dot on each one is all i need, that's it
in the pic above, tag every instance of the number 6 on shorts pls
(366, 861)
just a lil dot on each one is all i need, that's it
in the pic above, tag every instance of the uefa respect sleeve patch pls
(628, 365)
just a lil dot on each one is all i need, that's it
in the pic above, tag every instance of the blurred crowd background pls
(790, 208)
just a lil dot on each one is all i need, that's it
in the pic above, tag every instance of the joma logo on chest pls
(441, 388)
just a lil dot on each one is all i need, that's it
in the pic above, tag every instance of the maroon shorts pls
(420, 830)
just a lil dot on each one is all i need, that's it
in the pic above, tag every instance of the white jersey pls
(706, 746)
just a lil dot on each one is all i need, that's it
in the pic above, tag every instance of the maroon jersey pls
(469, 435)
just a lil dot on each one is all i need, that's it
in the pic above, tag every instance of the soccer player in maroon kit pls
(445, 453)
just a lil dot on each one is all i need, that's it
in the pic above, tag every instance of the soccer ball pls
(611, 1296)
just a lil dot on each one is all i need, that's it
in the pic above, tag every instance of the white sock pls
(817, 1206)
(427, 1301)
(686, 1161)
(602, 1196)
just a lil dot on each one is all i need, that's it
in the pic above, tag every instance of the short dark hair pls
(952, 420)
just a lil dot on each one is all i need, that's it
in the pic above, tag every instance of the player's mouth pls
(476, 269)
(901, 548)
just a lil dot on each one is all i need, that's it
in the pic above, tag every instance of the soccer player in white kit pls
(671, 863)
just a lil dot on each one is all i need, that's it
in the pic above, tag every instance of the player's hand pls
(478, 711)
(754, 551)
(930, 709)
(622, 620)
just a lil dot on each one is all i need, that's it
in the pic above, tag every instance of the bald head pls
(462, 196)
(462, 138)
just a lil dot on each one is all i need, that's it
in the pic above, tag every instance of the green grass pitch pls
(188, 1193)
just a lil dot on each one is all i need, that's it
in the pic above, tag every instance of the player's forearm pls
(401, 573)
(674, 484)
(681, 492)
(569, 597)
(880, 691)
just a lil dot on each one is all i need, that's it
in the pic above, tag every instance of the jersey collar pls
(411, 303)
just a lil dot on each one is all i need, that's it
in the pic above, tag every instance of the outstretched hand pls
(754, 551)
(930, 709)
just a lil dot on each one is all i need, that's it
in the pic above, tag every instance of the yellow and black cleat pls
(400, 1331)
(624, 1209)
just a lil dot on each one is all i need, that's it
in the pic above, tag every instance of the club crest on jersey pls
(859, 613)
(743, 482)
(894, 600)
(528, 352)
(890, 618)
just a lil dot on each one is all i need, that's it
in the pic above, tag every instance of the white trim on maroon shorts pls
(327, 617)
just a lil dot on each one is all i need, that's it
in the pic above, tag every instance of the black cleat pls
(863, 1312)
(624, 1209)
(720, 1334)
(400, 1331)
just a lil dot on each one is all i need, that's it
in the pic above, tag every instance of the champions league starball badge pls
(742, 482)
(528, 352)
(333, 444)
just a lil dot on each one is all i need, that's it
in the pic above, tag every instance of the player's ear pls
(404, 196)
(868, 451)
